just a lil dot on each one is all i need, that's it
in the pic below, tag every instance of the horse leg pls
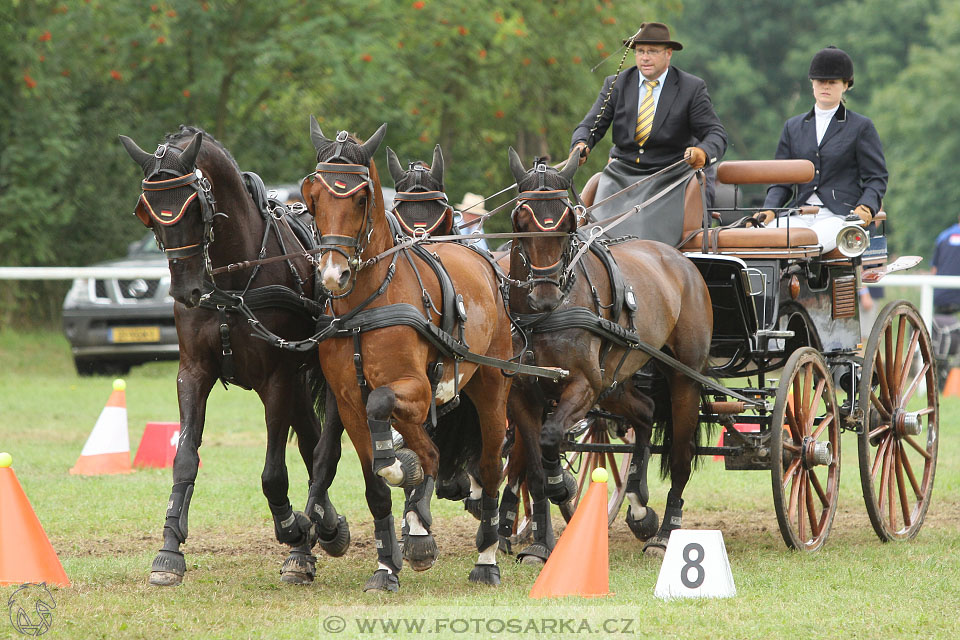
(400, 468)
(510, 500)
(575, 400)
(333, 532)
(294, 529)
(526, 412)
(685, 408)
(193, 387)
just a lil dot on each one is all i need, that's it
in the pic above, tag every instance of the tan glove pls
(865, 214)
(764, 217)
(584, 151)
(695, 157)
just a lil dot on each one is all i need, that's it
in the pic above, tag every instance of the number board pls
(695, 566)
(135, 334)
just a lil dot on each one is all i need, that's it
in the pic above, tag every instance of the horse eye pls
(362, 201)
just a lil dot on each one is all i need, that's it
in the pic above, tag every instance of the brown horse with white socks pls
(383, 354)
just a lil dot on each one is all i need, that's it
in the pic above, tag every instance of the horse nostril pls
(344, 277)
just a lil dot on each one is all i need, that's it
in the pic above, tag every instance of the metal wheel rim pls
(805, 496)
(896, 495)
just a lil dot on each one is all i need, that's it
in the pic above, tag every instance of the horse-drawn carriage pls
(787, 338)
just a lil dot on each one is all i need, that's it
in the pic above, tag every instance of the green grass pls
(106, 531)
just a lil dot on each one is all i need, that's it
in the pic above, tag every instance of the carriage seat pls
(752, 242)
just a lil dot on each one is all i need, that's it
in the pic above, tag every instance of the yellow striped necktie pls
(645, 115)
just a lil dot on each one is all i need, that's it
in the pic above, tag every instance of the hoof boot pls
(382, 580)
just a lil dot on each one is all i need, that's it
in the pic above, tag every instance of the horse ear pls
(189, 156)
(436, 169)
(516, 166)
(139, 156)
(370, 146)
(570, 169)
(316, 135)
(393, 163)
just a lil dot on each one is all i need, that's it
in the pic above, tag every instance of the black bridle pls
(199, 190)
(324, 172)
(547, 274)
(419, 193)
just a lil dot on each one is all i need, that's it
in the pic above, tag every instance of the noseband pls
(546, 274)
(342, 178)
(202, 193)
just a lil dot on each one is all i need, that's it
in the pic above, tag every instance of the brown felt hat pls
(653, 33)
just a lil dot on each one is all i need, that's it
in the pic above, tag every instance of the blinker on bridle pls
(202, 192)
(419, 193)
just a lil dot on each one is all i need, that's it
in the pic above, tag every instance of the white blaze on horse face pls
(446, 389)
(330, 274)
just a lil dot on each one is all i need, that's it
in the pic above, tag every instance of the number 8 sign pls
(695, 566)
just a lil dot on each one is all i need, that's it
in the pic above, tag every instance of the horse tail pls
(663, 432)
(311, 377)
(458, 439)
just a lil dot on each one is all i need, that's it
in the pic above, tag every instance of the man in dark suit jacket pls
(684, 125)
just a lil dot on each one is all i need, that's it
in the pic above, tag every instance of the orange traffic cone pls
(158, 445)
(108, 448)
(26, 554)
(579, 565)
(952, 388)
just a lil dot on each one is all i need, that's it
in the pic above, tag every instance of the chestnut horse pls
(379, 360)
(195, 201)
(580, 318)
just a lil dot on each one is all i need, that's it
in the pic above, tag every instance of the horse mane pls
(187, 131)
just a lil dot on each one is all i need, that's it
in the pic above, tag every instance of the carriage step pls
(772, 333)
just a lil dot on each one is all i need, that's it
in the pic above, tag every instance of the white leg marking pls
(380, 565)
(392, 474)
(416, 526)
(475, 489)
(489, 555)
(637, 510)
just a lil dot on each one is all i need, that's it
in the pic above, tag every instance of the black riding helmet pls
(830, 63)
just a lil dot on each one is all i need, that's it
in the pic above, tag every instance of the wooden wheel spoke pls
(880, 368)
(881, 450)
(790, 471)
(891, 512)
(907, 395)
(815, 481)
(811, 508)
(795, 431)
(797, 409)
(792, 448)
(908, 467)
(885, 474)
(888, 353)
(814, 405)
(882, 410)
(913, 443)
(826, 422)
(902, 489)
(898, 359)
(794, 492)
(614, 469)
(881, 429)
(907, 359)
(801, 504)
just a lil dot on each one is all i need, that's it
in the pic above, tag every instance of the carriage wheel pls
(596, 431)
(805, 451)
(898, 445)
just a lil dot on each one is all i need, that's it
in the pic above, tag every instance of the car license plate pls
(135, 334)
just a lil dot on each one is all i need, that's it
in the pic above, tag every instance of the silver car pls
(113, 324)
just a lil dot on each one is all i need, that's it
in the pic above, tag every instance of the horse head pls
(177, 204)
(343, 194)
(543, 208)
(421, 204)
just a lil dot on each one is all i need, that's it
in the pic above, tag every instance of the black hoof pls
(382, 580)
(299, 568)
(536, 553)
(420, 552)
(505, 546)
(473, 506)
(336, 544)
(562, 492)
(168, 569)
(485, 574)
(646, 527)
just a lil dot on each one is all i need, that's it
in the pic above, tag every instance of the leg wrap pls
(553, 479)
(489, 519)
(418, 501)
(509, 504)
(321, 512)
(290, 528)
(637, 480)
(673, 514)
(388, 551)
(382, 440)
(541, 525)
(175, 526)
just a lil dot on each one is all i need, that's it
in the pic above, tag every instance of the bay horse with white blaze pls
(395, 312)
(584, 309)
(197, 202)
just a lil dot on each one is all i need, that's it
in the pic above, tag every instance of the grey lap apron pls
(661, 220)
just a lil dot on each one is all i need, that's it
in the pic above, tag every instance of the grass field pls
(106, 531)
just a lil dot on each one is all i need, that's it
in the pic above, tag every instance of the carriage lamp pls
(852, 241)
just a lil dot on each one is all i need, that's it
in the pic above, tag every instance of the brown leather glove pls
(584, 151)
(764, 217)
(866, 216)
(695, 157)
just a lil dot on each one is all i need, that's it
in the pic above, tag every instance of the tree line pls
(474, 77)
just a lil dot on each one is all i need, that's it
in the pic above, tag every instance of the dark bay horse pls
(558, 293)
(378, 358)
(197, 204)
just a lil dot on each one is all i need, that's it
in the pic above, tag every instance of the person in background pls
(946, 262)
(845, 149)
(469, 211)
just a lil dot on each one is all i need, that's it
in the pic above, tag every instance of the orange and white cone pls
(26, 554)
(580, 565)
(107, 449)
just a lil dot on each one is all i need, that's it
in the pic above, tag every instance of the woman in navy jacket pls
(845, 149)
